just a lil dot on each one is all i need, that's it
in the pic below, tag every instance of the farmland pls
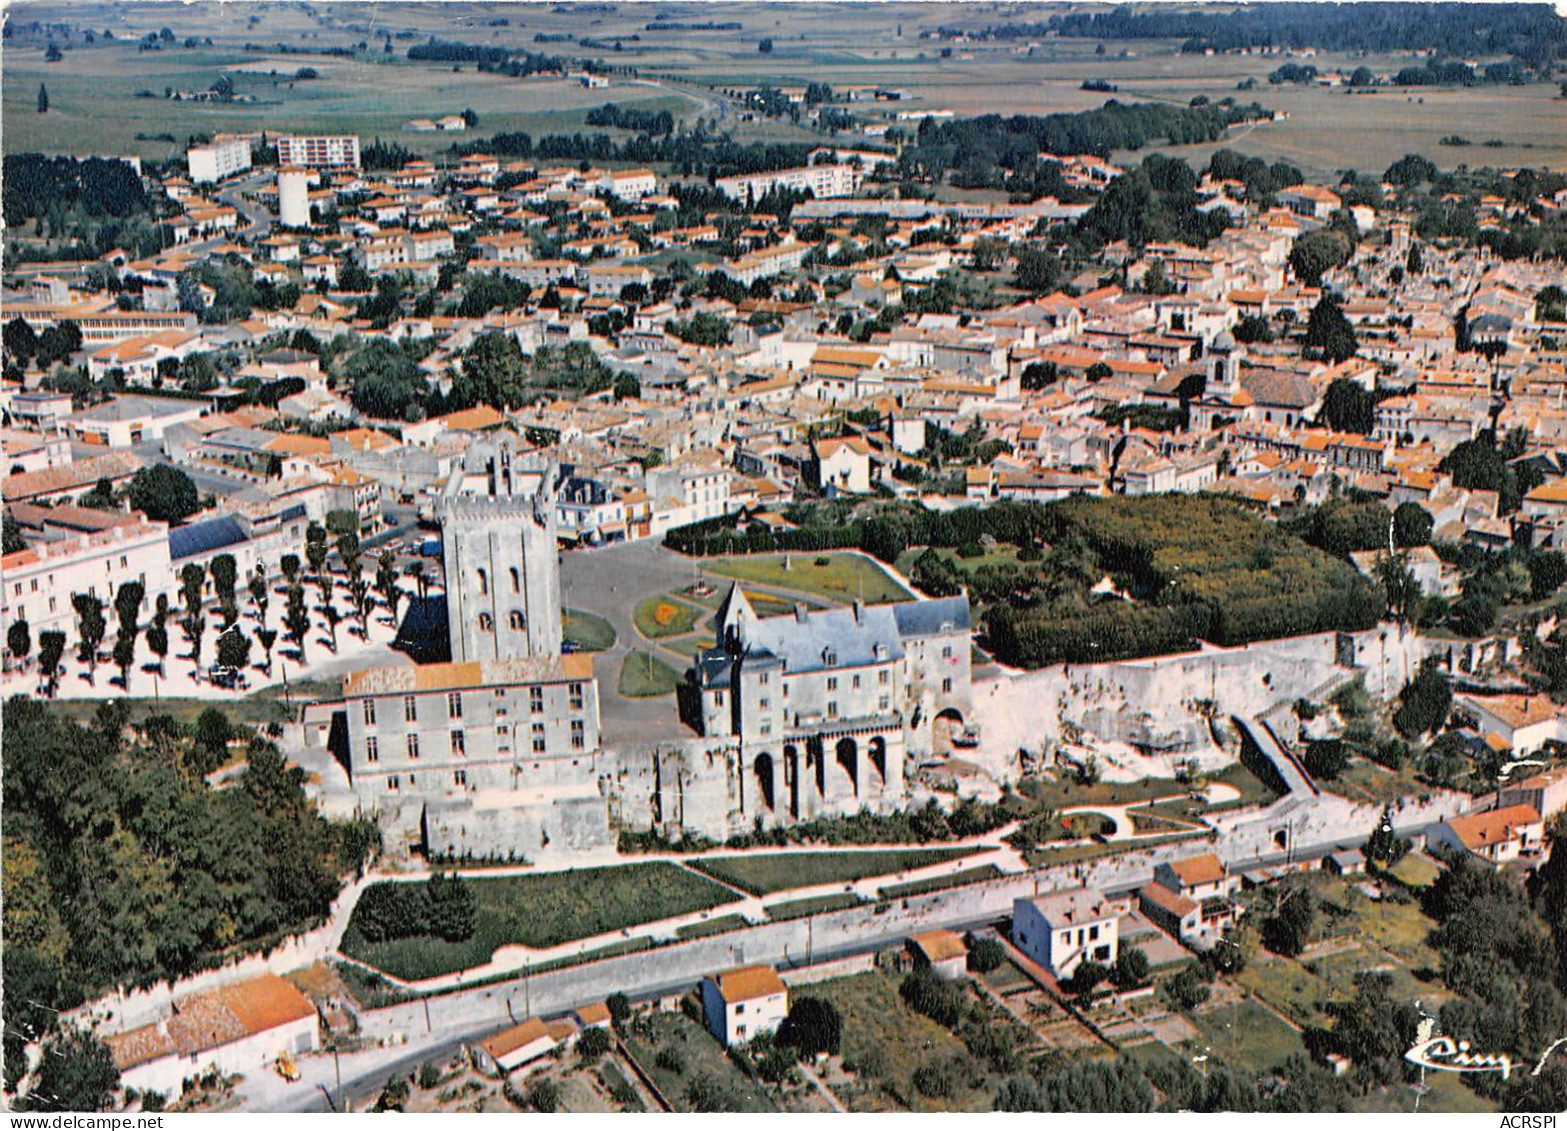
(375, 92)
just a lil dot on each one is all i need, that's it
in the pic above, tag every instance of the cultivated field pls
(93, 108)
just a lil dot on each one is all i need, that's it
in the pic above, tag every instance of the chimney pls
(799, 613)
(859, 608)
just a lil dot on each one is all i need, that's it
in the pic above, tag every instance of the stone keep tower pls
(497, 519)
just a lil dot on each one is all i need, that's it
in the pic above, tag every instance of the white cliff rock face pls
(1176, 706)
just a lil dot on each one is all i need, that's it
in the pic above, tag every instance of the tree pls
(1038, 271)
(51, 649)
(267, 637)
(1288, 930)
(158, 631)
(193, 579)
(1131, 968)
(1547, 572)
(333, 619)
(295, 619)
(1383, 846)
(1316, 253)
(77, 1074)
(1098, 371)
(386, 583)
(233, 648)
(1326, 758)
(594, 1042)
(1348, 407)
(316, 548)
(90, 627)
(1412, 526)
(1423, 703)
(1086, 979)
(210, 745)
(53, 54)
(195, 625)
(43, 99)
(813, 1026)
(985, 955)
(164, 493)
(260, 595)
(225, 574)
(19, 640)
(1414, 262)
(1329, 331)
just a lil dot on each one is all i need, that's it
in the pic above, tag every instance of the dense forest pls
(1532, 32)
(1196, 567)
(123, 866)
(37, 186)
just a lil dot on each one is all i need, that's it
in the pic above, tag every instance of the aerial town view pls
(784, 558)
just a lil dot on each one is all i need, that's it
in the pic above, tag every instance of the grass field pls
(657, 617)
(588, 631)
(723, 924)
(844, 577)
(781, 871)
(94, 108)
(1064, 793)
(543, 911)
(1417, 870)
(815, 905)
(1245, 1033)
(939, 883)
(642, 676)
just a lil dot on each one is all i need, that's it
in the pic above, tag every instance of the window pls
(459, 743)
(484, 583)
(885, 677)
(575, 690)
(515, 620)
(832, 683)
(372, 750)
(1093, 933)
(946, 687)
(516, 581)
(884, 703)
(718, 697)
(765, 676)
(369, 712)
(855, 683)
(740, 1009)
(832, 708)
(460, 777)
(946, 653)
(391, 783)
(536, 700)
(454, 705)
(413, 747)
(538, 738)
(486, 623)
(767, 728)
(410, 709)
(579, 740)
(51, 604)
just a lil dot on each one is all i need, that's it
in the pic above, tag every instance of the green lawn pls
(642, 677)
(816, 905)
(587, 631)
(1417, 870)
(780, 871)
(844, 577)
(543, 911)
(723, 924)
(939, 883)
(1246, 1034)
(657, 617)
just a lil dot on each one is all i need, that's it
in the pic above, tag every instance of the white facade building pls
(742, 1004)
(1062, 930)
(224, 158)
(319, 152)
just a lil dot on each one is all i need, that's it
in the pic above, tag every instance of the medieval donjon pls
(497, 517)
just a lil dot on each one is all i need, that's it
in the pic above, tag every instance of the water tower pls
(293, 196)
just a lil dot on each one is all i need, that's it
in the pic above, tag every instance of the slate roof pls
(204, 537)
